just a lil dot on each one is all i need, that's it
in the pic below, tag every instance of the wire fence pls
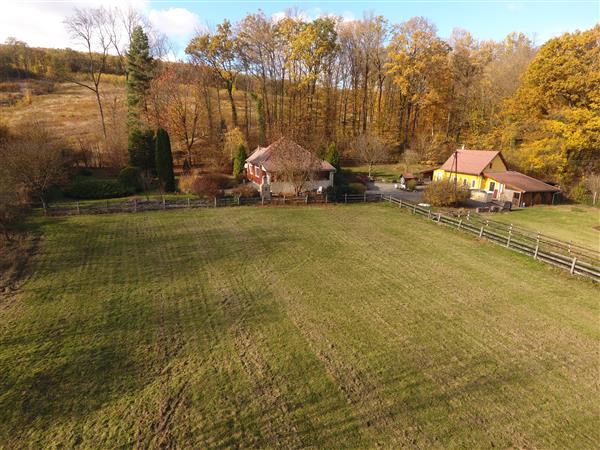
(575, 258)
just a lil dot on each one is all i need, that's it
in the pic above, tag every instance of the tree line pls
(351, 82)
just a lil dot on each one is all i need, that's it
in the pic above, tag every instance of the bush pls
(96, 189)
(245, 190)
(85, 172)
(130, 177)
(411, 185)
(441, 193)
(356, 188)
(205, 186)
(185, 183)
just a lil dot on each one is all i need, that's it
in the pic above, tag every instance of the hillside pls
(341, 326)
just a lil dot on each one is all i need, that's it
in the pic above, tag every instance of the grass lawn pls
(387, 172)
(334, 327)
(577, 223)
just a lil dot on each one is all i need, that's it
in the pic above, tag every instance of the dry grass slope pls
(345, 326)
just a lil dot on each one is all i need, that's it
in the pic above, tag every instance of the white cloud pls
(175, 22)
(40, 24)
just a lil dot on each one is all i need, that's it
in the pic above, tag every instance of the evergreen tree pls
(141, 149)
(239, 160)
(333, 157)
(140, 67)
(164, 161)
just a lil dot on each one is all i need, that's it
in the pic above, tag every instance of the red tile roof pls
(264, 155)
(470, 161)
(521, 182)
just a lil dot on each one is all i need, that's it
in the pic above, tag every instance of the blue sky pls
(485, 19)
(40, 22)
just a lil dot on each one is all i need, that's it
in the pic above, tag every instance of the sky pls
(40, 22)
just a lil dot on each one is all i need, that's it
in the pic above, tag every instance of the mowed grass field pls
(579, 224)
(333, 327)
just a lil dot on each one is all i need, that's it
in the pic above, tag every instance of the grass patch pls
(578, 224)
(334, 327)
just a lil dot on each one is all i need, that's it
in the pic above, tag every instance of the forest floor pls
(332, 327)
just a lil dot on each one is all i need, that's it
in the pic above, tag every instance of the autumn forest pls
(330, 80)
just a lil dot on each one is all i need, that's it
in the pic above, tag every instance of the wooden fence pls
(577, 259)
(141, 205)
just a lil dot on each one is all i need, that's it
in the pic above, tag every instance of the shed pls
(522, 190)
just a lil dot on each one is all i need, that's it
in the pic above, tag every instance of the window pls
(465, 182)
(473, 183)
(439, 177)
(492, 186)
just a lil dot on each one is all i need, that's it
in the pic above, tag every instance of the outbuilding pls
(520, 189)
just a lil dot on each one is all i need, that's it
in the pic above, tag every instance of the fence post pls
(262, 200)
(573, 264)
(537, 246)
(188, 202)
(469, 215)
(509, 235)
(215, 201)
(415, 208)
(306, 199)
(429, 214)
(365, 196)
(439, 218)
(164, 203)
(346, 198)
(481, 231)
(325, 198)
(284, 199)
(78, 211)
(134, 205)
(400, 204)
(459, 223)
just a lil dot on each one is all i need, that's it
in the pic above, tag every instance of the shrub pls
(411, 185)
(245, 190)
(205, 186)
(130, 177)
(95, 189)
(441, 193)
(164, 161)
(185, 183)
(356, 188)
(85, 172)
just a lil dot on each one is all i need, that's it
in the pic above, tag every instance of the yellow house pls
(470, 168)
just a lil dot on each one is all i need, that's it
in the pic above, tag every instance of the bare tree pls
(370, 149)
(91, 28)
(295, 164)
(177, 103)
(592, 182)
(33, 159)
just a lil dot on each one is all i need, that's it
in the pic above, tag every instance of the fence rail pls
(138, 205)
(577, 259)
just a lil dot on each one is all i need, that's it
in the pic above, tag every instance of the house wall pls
(497, 165)
(286, 188)
(255, 174)
(473, 181)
